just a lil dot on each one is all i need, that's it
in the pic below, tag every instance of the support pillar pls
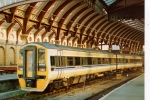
(88, 47)
(110, 49)
(120, 51)
(130, 52)
(96, 48)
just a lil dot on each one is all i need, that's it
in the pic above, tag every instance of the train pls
(43, 66)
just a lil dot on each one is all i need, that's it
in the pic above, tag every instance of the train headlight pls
(42, 69)
(20, 68)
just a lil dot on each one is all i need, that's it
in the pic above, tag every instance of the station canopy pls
(119, 22)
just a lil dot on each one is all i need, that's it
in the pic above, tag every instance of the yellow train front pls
(32, 71)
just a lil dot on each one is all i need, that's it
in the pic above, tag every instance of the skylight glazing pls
(8, 2)
(109, 2)
(135, 24)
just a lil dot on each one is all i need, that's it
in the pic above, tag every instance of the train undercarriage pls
(85, 79)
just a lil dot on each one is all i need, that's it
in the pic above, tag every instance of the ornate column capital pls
(57, 42)
(80, 45)
(24, 37)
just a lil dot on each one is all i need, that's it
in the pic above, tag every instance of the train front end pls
(32, 68)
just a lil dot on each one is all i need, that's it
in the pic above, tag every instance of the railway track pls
(58, 92)
(54, 93)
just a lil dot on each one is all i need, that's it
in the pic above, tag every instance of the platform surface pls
(133, 90)
(5, 77)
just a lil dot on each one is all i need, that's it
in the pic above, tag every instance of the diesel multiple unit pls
(45, 65)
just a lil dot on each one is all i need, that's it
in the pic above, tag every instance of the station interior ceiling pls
(90, 22)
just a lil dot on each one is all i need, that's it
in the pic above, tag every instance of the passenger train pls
(45, 65)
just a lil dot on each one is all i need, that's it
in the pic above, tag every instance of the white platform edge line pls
(119, 88)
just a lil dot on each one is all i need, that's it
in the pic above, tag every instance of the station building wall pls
(9, 48)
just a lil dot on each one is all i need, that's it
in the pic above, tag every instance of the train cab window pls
(21, 57)
(20, 63)
(41, 60)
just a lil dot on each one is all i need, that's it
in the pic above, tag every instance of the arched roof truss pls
(80, 21)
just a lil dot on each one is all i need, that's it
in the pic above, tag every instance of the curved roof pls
(84, 21)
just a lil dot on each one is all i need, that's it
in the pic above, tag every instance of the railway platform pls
(133, 90)
(5, 77)
(10, 94)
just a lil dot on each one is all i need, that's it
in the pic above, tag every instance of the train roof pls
(61, 47)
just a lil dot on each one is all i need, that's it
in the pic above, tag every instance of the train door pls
(59, 58)
(59, 63)
(29, 64)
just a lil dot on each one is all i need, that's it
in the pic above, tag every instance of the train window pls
(20, 63)
(59, 61)
(94, 61)
(89, 61)
(127, 61)
(21, 56)
(113, 60)
(52, 58)
(110, 60)
(84, 61)
(99, 60)
(120, 60)
(41, 60)
(69, 60)
(124, 60)
(105, 60)
(77, 60)
(102, 60)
